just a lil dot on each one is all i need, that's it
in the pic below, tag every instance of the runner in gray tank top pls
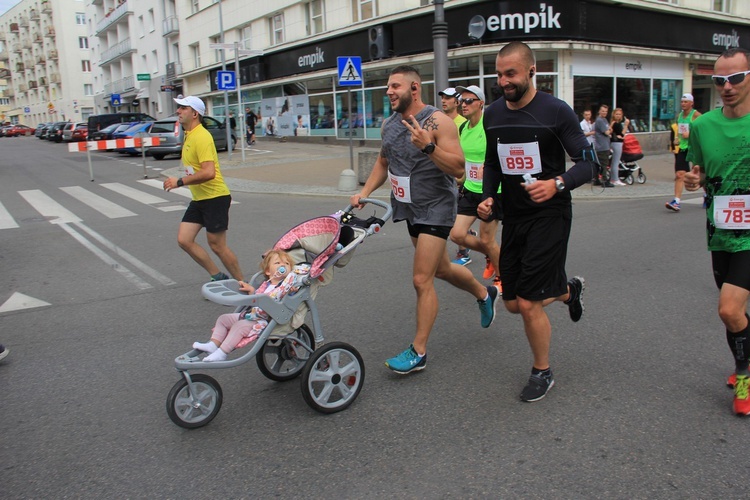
(421, 157)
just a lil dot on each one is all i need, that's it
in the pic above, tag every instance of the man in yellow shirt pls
(211, 199)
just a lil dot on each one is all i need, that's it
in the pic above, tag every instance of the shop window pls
(377, 109)
(463, 68)
(322, 117)
(350, 123)
(319, 85)
(666, 100)
(590, 92)
(634, 97)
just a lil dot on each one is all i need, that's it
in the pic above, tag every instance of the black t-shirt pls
(250, 120)
(617, 131)
(535, 138)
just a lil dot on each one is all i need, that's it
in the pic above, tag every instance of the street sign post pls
(116, 101)
(350, 75)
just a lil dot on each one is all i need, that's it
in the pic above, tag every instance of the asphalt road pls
(639, 409)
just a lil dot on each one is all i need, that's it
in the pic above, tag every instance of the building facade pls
(45, 45)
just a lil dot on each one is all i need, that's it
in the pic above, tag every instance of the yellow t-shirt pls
(198, 148)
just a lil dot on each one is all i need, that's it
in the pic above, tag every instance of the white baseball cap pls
(687, 97)
(193, 102)
(449, 92)
(474, 90)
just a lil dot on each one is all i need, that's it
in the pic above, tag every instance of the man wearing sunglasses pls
(684, 120)
(719, 149)
(474, 144)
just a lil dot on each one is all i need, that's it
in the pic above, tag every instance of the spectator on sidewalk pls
(602, 145)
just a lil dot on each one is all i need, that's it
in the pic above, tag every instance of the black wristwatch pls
(429, 149)
(180, 183)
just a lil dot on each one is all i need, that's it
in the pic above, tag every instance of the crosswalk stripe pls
(103, 205)
(133, 193)
(182, 191)
(48, 207)
(6, 220)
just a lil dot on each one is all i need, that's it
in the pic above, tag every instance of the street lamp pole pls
(440, 48)
(227, 124)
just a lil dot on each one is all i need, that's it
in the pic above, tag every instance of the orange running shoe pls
(498, 284)
(489, 270)
(731, 380)
(742, 395)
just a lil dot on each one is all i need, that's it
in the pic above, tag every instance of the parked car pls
(54, 133)
(18, 130)
(41, 128)
(171, 136)
(4, 129)
(140, 129)
(67, 133)
(117, 127)
(99, 122)
(80, 133)
(103, 134)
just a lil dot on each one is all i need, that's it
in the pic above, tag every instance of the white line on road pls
(128, 257)
(6, 220)
(134, 194)
(182, 191)
(103, 205)
(48, 207)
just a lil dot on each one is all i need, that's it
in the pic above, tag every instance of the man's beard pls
(517, 93)
(403, 103)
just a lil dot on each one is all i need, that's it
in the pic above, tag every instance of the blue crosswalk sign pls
(349, 70)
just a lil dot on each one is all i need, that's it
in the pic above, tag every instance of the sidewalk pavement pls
(314, 169)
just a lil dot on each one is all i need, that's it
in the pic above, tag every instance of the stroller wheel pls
(283, 359)
(641, 178)
(333, 377)
(198, 409)
(629, 179)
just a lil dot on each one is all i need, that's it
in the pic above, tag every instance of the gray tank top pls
(433, 192)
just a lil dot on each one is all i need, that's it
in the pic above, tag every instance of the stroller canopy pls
(317, 238)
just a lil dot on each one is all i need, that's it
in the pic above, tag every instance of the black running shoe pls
(538, 387)
(576, 285)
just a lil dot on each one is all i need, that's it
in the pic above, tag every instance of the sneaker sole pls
(401, 372)
(670, 207)
(580, 297)
(540, 397)
(494, 309)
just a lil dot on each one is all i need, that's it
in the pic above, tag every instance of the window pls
(363, 10)
(314, 14)
(80, 18)
(154, 62)
(86, 66)
(151, 23)
(88, 89)
(83, 42)
(722, 6)
(277, 29)
(217, 52)
(246, 35)
(194, 6)
(141, 29)
(196, 54)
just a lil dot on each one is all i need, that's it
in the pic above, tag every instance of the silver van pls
(171, 136)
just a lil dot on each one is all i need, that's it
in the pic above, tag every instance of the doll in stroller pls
(332, 374)
(628, 170)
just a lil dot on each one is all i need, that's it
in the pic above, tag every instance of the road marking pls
(102, 205)
(182, 191)
(126, 273)
(6, 220)
(19, 301)
(146, 269)
(134, 194)
(693, 201)
(48, 207)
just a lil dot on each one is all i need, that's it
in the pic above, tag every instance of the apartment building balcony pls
(17, 48)
(26, 44)
(41, 60)
(3, 36)
(14, 27)
(34, 15)
(22, 87)
(19, 67)
(116, 52)
(49, 32)
(97, 2)
(28, 64)
(46, 7)
(37, 38)
(42, 81)
(120, 86)
(5, 93)
(53, 54)
(114, 16)
(4, 55)
(169, 26)
(32, 84)
(24, 21)
(54, 77)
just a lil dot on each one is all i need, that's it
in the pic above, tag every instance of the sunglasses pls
(734, 79)
(472, 100)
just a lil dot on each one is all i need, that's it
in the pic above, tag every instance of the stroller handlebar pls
(374, 223)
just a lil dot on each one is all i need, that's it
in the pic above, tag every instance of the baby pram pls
(332, 374)
(628, 170)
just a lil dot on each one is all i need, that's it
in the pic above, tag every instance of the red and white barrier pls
(113, 144)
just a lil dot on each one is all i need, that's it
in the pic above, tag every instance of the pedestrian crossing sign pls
(349, 70)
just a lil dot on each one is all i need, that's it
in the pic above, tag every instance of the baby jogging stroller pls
(332, 374)
(628, 170)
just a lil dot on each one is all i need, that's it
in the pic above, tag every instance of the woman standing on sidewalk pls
(618, 134)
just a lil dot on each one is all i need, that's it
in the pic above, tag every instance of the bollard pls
(347, 180)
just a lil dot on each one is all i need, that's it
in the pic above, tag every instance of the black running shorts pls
(416, 229)
(732, 268)
(213, 214)
(680, 161)
(468, 201)
(532, 260)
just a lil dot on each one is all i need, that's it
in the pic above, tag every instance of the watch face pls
(429, 149)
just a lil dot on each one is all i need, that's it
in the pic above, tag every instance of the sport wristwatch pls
(429, 149)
